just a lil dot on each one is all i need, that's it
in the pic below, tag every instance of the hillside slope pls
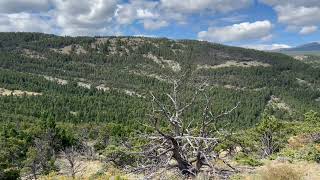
(90, 79)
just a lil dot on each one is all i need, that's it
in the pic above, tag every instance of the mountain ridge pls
(313, 47)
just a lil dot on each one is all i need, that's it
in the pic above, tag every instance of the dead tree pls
(268, 144)
(269, 133)
(189, 143)
(37, 161)
(74, 166)
(86, 148)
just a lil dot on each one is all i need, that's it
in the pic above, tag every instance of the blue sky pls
(260, 24)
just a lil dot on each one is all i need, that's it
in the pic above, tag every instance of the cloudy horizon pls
(258, 24)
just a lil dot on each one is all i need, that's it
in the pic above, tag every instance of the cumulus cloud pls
(67, 17)
(237, 32)
(308, 30)
(104, 17)
(191, 6)
(20, 22)
(146, 12)
(86, 17)
(165, 11)
(17, 6)
(136, 10)
(266, 47)
(80, 17)
(296, 14)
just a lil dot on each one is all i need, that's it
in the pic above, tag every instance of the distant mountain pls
(310, 48)
(315, 46)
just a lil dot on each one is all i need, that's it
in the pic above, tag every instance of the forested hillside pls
(99, 87)
(88, 76)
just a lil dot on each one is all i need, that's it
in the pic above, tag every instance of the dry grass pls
(273, 170)
(284, 171)
(86, 167)
(299, 141)
(281, 171)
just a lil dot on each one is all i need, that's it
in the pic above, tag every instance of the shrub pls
(270, 134)
(312, 117)
(308, 153)
(119, 156)
(244, 159)
(10, 174)
(288, 152)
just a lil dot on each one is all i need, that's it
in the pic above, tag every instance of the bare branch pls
(180, 141)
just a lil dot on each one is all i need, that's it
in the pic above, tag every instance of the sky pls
(259, 24)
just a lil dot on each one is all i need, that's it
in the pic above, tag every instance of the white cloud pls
(266, 47)
(21, 22)
(80, 17)
(298, 16)
(192, 6)
(67, 17)
(125, 14)
(136, 10)
(308, 30)
(101, 17)
(237, 32)
(166, 11)
(152, 25)
(296, 13)
(17, 6)
(146, 14)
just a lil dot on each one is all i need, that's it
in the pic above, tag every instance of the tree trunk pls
(184, 165)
